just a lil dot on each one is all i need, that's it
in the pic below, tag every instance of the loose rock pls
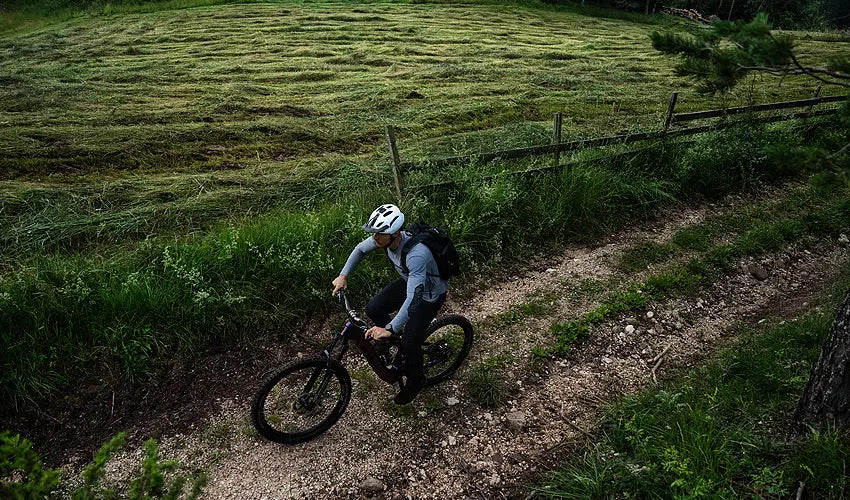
(515, 419)
(758, 272)
(371, 485)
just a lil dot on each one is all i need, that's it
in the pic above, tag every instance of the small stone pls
(650, 315)
(679, 325)
(452, 401)
(515, 458)
(421, 413)
(607, 360)
(630, 328)
(515, 419)
(452, 440)
(758, 272)
(659, 329)
(481, 466)
(843, 239)
(371, 485)
(488, 416)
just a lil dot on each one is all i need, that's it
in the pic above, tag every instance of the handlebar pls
(352, 314)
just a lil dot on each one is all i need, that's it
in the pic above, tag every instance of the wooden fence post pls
(814, 96)
(556, 137)
(399, 182)
(670, 107)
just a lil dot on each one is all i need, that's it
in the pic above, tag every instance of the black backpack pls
(440, 245)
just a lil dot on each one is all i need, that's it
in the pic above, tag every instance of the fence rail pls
(557, 147)
(698, 115)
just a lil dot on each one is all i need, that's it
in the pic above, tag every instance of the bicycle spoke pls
(298, 403)
(441, 349)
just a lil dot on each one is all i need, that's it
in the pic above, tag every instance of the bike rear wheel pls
(447, 343)
(301, 400)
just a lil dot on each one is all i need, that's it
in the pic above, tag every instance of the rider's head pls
(385, 225)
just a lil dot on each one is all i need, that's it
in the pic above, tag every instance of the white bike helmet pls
(385, 219)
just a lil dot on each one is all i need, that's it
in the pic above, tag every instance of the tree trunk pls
(825, 402)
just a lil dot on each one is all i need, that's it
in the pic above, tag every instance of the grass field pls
(172, 179)
(119, 126)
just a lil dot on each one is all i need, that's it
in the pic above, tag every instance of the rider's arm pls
(360, 251)
(416, 281)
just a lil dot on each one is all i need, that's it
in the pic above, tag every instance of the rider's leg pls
(412, 339)
(388, 300)
(378, 309)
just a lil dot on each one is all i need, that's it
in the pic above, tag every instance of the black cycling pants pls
(390, 299)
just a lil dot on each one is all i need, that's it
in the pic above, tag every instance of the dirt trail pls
(446, 446)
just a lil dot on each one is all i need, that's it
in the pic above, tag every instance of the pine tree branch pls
(806, 71)
(810, 71)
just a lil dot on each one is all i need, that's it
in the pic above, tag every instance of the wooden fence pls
(668, 130)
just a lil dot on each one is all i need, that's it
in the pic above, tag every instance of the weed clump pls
(486, 383)
(487, 387)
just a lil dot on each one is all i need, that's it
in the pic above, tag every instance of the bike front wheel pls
(447, 343)
(301, 400)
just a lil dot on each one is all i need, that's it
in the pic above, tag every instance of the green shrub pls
(21, 473)
(23, 476)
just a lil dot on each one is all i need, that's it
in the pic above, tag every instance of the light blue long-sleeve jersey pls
(423, 281)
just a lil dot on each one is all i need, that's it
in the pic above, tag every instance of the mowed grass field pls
(113, 128)
(180, 180)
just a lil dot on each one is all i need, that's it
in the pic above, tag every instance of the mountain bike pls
(306, 396)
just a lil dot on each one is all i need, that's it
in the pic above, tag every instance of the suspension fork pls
(327, 353)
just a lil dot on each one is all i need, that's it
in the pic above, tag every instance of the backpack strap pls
(407, 247)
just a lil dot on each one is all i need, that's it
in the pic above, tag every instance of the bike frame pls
(354, 329)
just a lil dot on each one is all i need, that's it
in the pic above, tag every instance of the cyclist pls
(416, 295)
